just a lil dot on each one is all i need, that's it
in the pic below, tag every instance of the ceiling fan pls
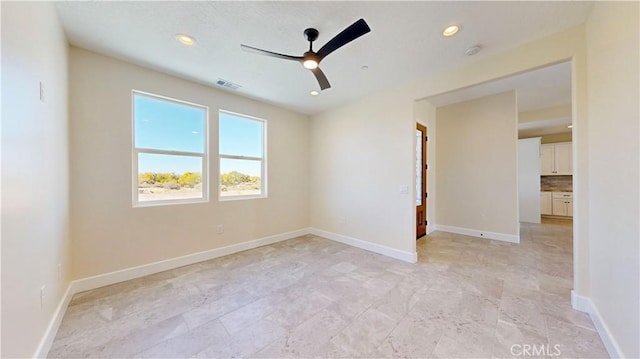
(311, 59)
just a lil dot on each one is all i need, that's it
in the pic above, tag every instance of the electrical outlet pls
(342, 219)
(220, 229)
(42, 296)
(404, 189)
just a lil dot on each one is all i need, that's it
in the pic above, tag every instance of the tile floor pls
(311, 297)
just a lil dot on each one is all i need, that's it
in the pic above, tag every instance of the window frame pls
(263, 160)
(136, 151)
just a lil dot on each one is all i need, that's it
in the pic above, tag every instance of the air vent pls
(227, 84)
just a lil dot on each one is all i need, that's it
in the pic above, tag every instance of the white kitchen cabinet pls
(563, 159)
(546, 160)
(556, 159)
(562, 204)
(560, 207)
(546, 206)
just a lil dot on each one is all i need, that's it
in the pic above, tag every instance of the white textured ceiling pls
(404, 43)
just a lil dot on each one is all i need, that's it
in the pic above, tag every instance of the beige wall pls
(361, 154)
(556, 112)
(553, 138)
(35, 190)
(557, 137)
(613, 58)
(108, 234)
(560, 111)
(477, 161)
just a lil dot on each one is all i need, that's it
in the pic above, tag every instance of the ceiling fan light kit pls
(311, 59)
(310, 64)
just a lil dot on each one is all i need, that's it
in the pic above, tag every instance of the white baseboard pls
(54, 324)
(478, 233)
(102, 280)
(372, 247)
(585, 304)
(105, 279)
(580, 303)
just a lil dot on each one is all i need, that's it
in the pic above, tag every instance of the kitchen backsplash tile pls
(556, 183)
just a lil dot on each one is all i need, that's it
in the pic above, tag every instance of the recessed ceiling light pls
(450, 30)
(314, 93)
(186, 39)
(570, 126)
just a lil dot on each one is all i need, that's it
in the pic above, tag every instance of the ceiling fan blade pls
(322, 79)
(271, 54)
(347, 35)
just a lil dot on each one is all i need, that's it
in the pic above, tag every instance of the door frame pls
(421, 211)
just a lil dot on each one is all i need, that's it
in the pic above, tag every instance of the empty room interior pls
(320, 179)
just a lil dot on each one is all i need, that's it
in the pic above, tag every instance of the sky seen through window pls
(172, 126)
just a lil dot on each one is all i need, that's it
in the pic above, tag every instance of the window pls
(169, 151)
(242, 157)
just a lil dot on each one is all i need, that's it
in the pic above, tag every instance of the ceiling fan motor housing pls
(311, 34)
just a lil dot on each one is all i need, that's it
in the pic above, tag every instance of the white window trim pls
(136, 151)
(263, 159)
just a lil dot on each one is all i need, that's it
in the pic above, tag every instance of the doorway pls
(421, 180)
(546, 109)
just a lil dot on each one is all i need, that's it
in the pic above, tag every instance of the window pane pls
(240, 177)
(240, 136)
(167, 125)
(166, 177)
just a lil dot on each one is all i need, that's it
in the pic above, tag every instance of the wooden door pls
(421, 180)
